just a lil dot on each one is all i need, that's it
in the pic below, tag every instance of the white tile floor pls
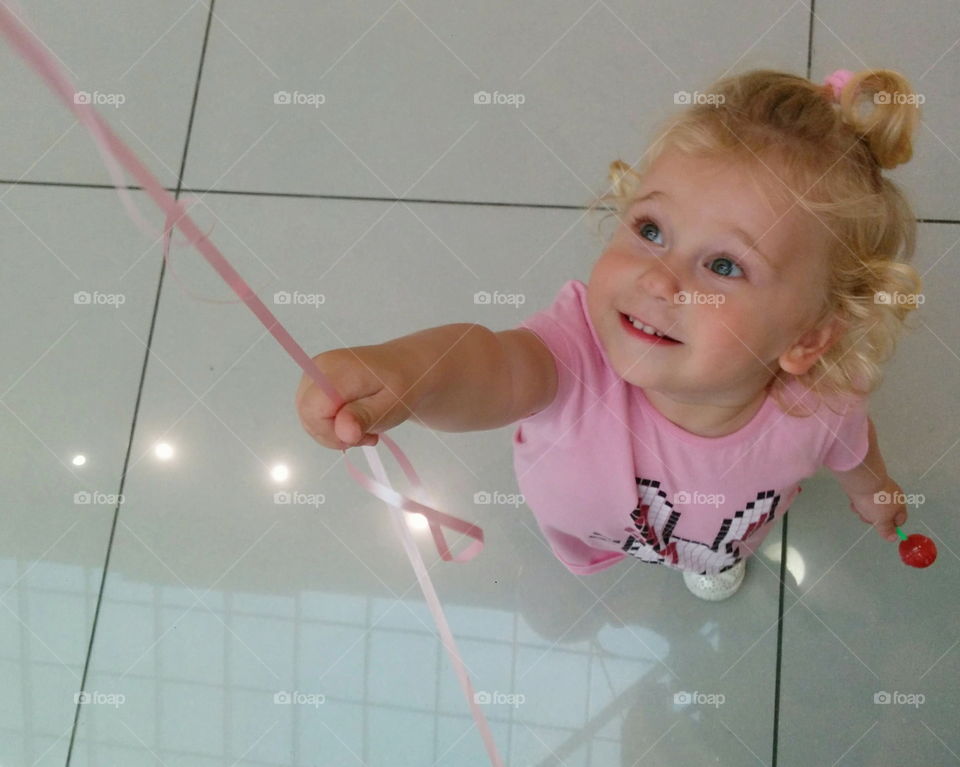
(183, 611)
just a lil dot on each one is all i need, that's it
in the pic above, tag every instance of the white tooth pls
(646, 328)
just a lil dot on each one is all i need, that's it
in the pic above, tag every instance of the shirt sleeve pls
(558, 327)
(849, 441)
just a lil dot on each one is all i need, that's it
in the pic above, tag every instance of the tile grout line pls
(355, 198)
(311, 195)
(775, 744)
(136, 407)
(777, 676)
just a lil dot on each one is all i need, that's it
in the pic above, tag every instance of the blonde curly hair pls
(828, 156)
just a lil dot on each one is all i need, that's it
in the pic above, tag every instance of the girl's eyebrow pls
(739, 233)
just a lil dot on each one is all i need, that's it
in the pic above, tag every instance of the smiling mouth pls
(649, 330)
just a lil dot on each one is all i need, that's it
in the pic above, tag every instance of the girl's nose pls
(660, 279)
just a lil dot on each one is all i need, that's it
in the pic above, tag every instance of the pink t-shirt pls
(607, 475)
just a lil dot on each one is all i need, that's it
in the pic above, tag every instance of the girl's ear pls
(812, 345)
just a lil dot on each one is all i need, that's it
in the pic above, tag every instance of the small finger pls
(887, 532)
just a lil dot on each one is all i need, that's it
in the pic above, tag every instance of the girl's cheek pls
(717, 324)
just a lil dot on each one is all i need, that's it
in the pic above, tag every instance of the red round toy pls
(917, 550)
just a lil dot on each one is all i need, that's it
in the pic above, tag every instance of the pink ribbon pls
(113, 150)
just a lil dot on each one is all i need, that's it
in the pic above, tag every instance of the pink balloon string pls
(115, 153)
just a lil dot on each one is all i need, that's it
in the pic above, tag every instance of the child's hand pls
(884, 509)
(377, 386)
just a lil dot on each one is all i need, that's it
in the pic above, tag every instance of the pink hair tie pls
(836, 81)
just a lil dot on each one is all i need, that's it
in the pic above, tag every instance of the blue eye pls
(643, 226)
(726, 272)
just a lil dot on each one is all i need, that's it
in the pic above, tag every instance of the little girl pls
(723, 350)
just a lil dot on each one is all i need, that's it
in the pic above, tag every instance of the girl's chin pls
(633, 372)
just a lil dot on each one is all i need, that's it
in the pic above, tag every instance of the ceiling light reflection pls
(795, 564)
(417, 521)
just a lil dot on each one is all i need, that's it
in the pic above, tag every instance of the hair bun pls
(889, 126)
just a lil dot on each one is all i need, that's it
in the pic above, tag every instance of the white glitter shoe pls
(714, 588)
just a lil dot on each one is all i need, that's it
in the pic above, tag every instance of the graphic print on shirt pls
(652, 540)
